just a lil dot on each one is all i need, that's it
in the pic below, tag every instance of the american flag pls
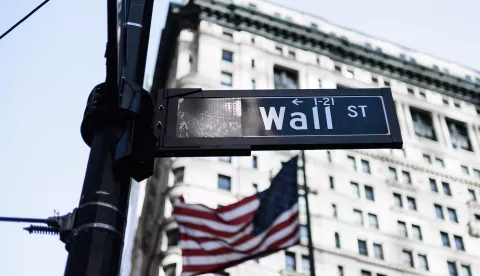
(214, 239)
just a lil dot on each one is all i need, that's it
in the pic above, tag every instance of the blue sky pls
(50, 63)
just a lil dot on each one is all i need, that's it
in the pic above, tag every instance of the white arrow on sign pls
(296, 101)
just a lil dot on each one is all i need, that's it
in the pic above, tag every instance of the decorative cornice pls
(338, 49)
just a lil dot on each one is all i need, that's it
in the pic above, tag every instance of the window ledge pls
(394, 183)
(286, 272)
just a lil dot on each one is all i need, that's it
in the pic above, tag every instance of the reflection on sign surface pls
(281, 116)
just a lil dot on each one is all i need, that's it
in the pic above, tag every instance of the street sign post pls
(192, 122)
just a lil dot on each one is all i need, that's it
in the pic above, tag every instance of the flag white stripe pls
(225, 258)
(211, 224)
(202, 234)
(212, 245)
(239, 211)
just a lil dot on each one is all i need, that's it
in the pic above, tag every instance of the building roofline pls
(244, 19)
(374, 37)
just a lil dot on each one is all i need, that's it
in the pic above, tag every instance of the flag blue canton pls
(280, 197)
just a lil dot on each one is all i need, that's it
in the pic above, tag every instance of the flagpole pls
(311, 257)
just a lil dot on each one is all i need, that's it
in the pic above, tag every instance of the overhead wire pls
(24, 18)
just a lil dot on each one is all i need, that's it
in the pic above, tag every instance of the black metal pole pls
(96, 243)
(311, 253)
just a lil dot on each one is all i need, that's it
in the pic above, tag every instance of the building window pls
(368, 45)
(445, 239)
(290, 263)
(227, 35)
(402, 229)
(301, 203)
(227, 56)
(366, 273)
(170, 270)
(226, 79)
(255, 187)
(398, 200)
(332, 182)
(440, 162)
(352, 162)
(305, 265)
(320, 83)
(253, 40)
(224, 182)
(427, 159)
(473, 196)
(406, 177)
(291, 54)
(466, 270)
(435, 67)
(365, 166)
(378, 251)
(439, 212)
(369, 193)
(459, 243)
(334, 210)
(392, 174)
(422, 260)
(417, 232)
(386, 83)
(355, 189)
(465, 170)
(452, 269)
(468, 78)
(422, 124)
(254, 84)
(225, 159)
(459, 135)
(314, 26)
(446, 188)
(252, 63)
(403, 57)
(422, 94)
(303, 234)
(433, 185)
(452, 214)
(337, 240)
(362, 247)
(340, 270)
(329, 156)
(445, 101)
(476, 173)
(407, 258)
(412, 204)
(410, 91)
(338, 68)
(285, 78)
(378, 50)
(255, 162)
(357, 217)
(178, 175)
(412, 60)
(173, 236)
(279, 50)
(456, 104)
(373, 221)
(374, 79)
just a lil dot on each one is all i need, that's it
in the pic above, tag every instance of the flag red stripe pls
(211, 231)
(224, 250)
(232, 206)
(200, 269)
(178, 210)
